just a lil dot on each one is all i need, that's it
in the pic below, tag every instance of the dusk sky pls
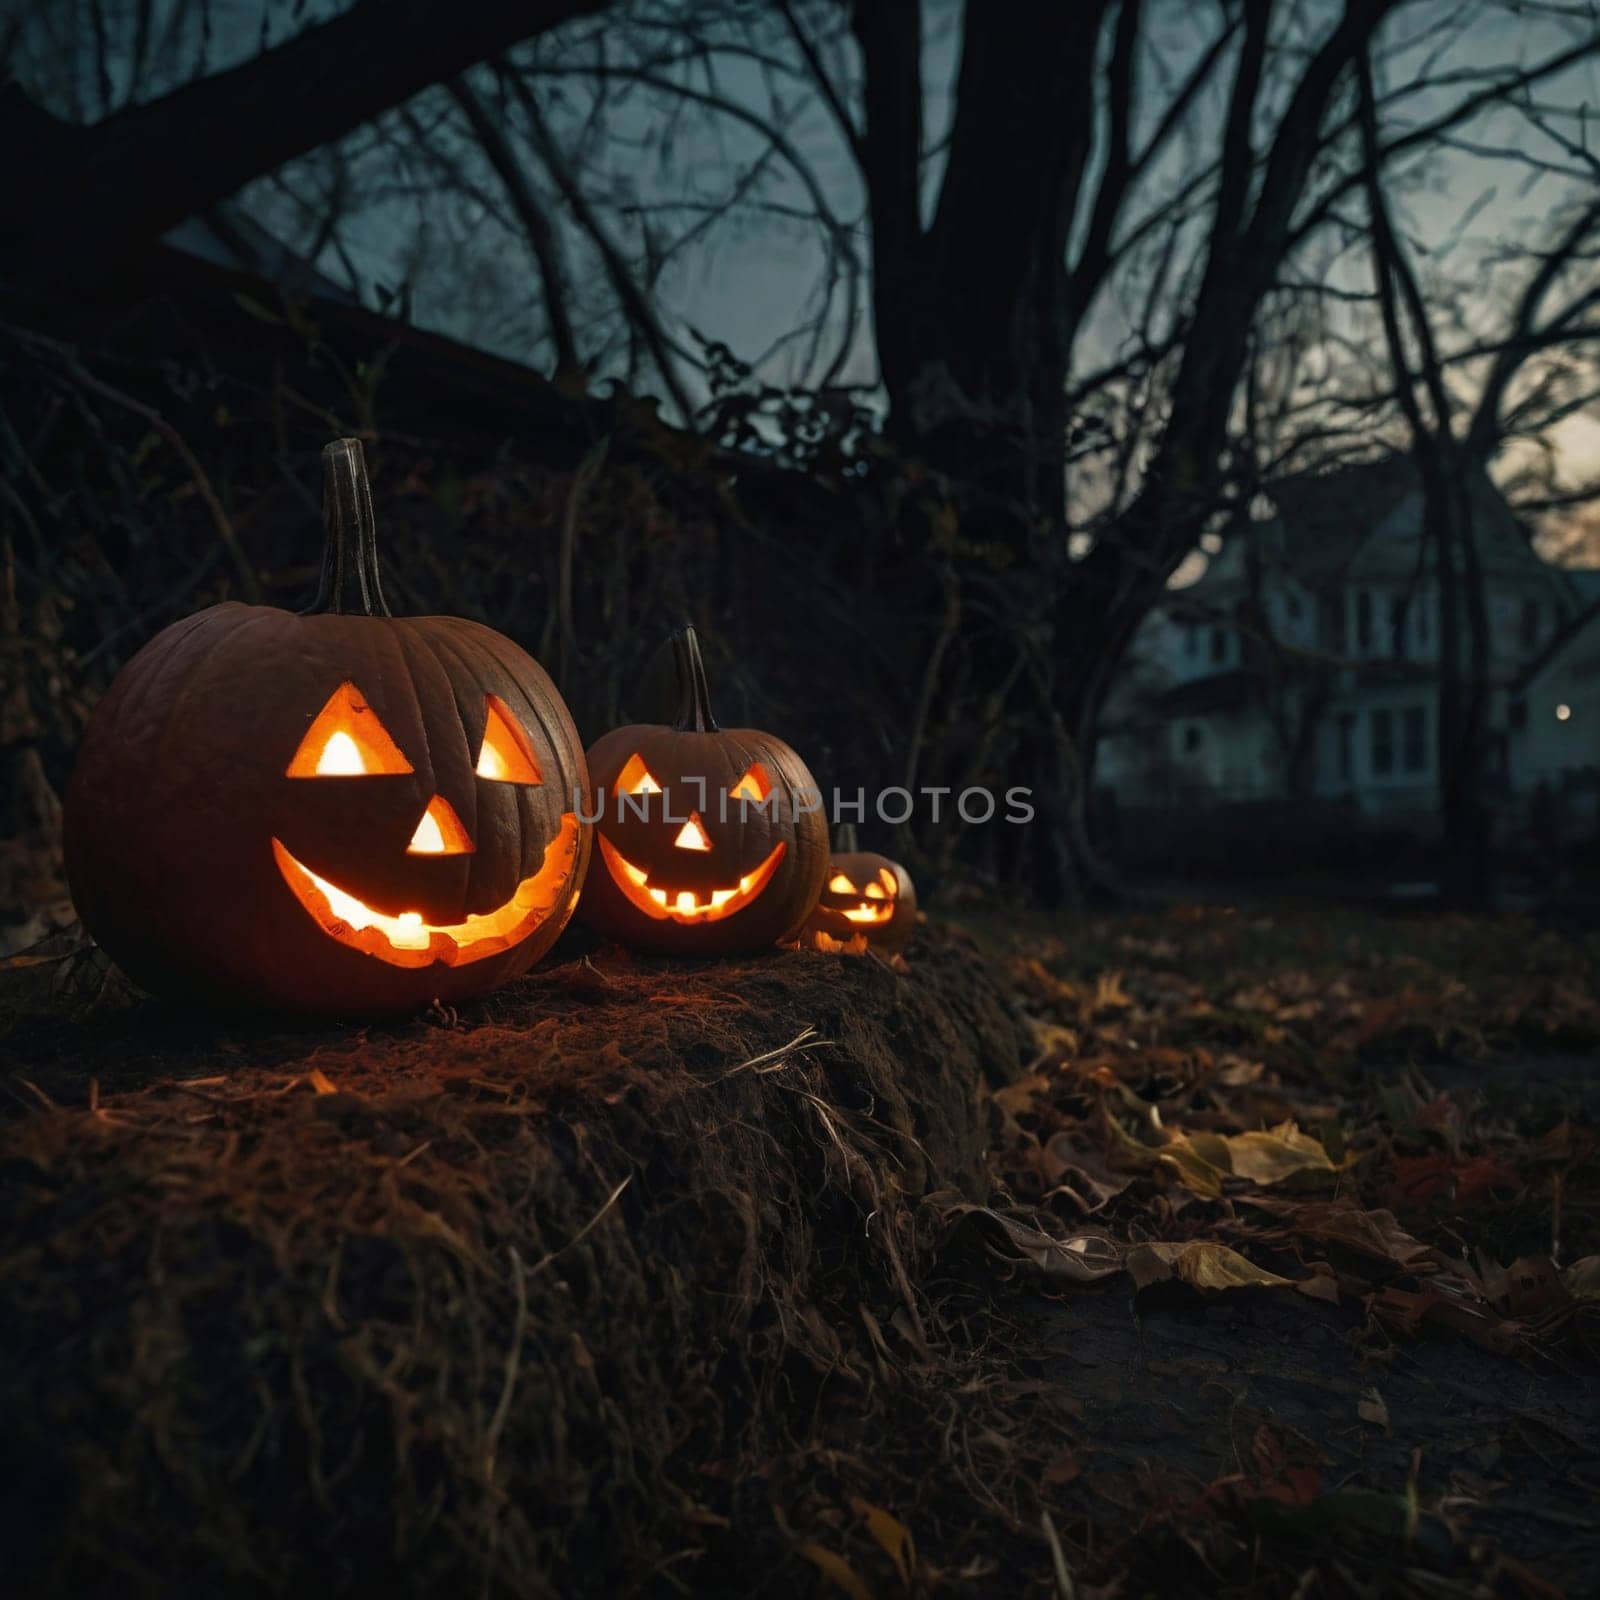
(756, 278)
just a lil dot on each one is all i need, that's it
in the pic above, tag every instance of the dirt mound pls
(468, 1305)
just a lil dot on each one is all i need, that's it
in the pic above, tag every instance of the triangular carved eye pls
(347, 741)
(754, 786)
(840, 884)
(506, 756)
(635, 778)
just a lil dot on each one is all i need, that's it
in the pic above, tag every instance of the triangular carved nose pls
(440, 832)
(692, 835)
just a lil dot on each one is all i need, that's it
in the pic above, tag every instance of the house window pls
(1529, 632)
(1363, 622)
(1424, 614)
(1219, 645)
(1383, 741)
(1333, 622)
(1414, 738)
(1397, 626)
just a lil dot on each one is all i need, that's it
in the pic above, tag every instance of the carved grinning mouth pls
(683, 905)
(864, 911)
(406, 940)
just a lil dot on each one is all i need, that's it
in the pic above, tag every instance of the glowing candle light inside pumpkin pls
(692, 836)
(428, 840)
(340, 758)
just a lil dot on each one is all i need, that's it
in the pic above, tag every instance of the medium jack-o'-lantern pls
(865, 896)
(711, 840)
(339, 811)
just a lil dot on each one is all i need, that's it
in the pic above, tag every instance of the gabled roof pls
(228, 237)
(1365, 521)
(1324, 518)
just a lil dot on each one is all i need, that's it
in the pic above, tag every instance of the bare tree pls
(1068, 274)
(88, 194)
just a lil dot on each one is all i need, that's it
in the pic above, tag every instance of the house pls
(1302, 665)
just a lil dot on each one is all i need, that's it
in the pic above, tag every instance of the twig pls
(805, 1040)
(519, 1328)
(588, 470)
(1065, 1587)
(611, 1200)
(40, 345)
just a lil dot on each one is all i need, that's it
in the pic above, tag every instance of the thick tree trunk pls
(1465, 875)
(972, 314)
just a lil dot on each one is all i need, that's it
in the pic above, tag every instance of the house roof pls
(1324, 518)
(228, 237)
(1364, 521)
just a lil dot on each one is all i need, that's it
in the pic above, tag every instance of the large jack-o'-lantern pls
(711, 840)
(340, 811)
(866, 896)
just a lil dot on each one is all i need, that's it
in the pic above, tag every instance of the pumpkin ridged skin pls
(741, 839)
(181, 787)
(860, 867)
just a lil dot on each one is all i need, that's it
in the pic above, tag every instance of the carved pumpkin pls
(703, 848)
(866, 896)
(340, 811)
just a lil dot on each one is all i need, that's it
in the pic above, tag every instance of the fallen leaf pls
(1270, 1157)
(1321, 1285)
(1081, 1258)
(835, 1569)
(1370, 1408)
(1092, 1184)
(1200, 1264)
(1370, 1233)
(891, 1536)
(1582, 1278)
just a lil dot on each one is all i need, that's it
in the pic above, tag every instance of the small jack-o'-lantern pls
(865, 896)
(340, 811)
(711, 840)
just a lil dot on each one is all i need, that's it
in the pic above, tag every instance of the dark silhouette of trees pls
(1072, 277)
(77, 199)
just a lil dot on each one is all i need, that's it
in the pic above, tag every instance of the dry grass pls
(468, 1305)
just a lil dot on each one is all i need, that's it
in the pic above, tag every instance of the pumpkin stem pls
(694, 698)
(350, 581)
(845, 842)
